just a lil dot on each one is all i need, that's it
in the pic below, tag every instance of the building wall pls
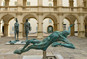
(57, 13)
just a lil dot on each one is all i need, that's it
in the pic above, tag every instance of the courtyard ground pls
(6, 51)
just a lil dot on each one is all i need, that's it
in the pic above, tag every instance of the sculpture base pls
(17, 43)
(41, 57)
(32, 57)
(38, 57)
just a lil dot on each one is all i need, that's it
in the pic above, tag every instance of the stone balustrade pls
(42, 9)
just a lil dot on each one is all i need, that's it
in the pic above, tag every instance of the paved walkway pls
(6, 51)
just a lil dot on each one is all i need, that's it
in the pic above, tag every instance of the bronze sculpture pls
(16, 29)
(53, 39)
(16, 32)
(27, 28)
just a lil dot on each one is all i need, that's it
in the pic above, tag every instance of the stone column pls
(40, 2)
(55, 27)
(59, 4)
(20, 25)
(54, 2)
(81, 27)
(72, 30)
(6, 29)
(40, 27)
(80, 5)
(85, 3)
(23, 30)
(60, 22)
(71, 3)
(7, 4)
(24, 2)
(19, 4)
(0, 29)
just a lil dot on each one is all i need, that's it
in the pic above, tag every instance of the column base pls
(20, 35)
(72, 35)
(40, 38)
(40, 35)
(81, 34)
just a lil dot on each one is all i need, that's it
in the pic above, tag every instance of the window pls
(15, 2)
(50, 21)
(3, 3)
(28, 3)
(50, 4)
(50, 0)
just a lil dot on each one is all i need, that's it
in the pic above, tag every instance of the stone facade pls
(57, 13)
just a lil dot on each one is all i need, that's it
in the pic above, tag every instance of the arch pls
(72, 18)
(5, 14)
(51, 16)
(71, 15)
(6, 18)
(25, 16)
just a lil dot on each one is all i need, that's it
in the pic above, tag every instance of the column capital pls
(39, 13)
(60, 14)
(19, 13)
(78, 23)
(55, 23)
(6, 23)
(40, 31)
(39, 22)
